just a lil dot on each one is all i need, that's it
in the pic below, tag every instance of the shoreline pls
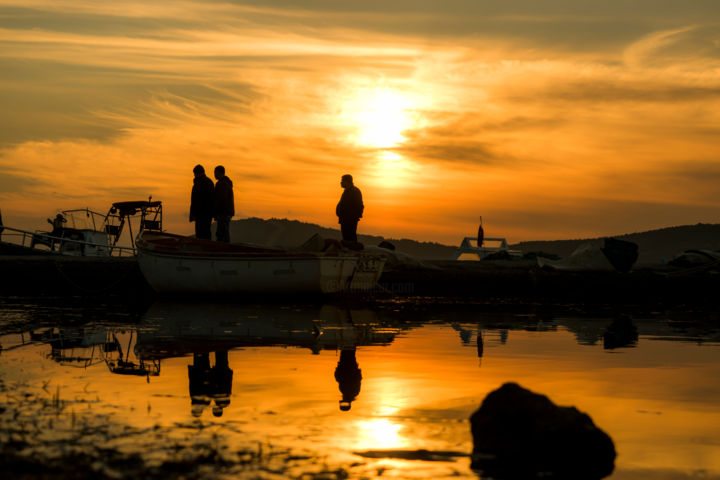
(487, 280)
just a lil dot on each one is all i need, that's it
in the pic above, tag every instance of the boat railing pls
(466, 246)
(29, 239)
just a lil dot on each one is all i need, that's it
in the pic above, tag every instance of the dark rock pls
(518, 434)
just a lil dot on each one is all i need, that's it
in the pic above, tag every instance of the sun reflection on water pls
(380, 433)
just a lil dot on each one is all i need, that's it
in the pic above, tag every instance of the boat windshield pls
(84, 219)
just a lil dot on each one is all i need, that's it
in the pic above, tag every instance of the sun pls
(378, 116)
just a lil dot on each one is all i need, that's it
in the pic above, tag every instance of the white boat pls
(86, 233)
(178, 264)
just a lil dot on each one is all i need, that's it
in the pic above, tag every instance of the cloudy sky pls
(553, 119)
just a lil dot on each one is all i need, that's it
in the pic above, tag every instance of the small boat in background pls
(86, 233)
(179, 264)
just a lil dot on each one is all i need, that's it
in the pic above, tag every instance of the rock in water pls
(518, 434)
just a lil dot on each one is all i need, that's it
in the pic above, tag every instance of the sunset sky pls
(553, 119)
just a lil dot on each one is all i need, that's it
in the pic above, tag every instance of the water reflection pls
(171, 330)
(348, 376)
(620, 333)
(121, 355)
(353, 379)
(210, 385)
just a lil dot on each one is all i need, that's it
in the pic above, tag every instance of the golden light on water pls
(379, 433)
(417, 392)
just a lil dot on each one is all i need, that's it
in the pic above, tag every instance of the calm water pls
(321, 386)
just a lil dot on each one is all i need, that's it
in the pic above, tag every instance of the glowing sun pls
(379, 116)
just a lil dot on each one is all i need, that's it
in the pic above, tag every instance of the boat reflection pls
(121, 355)
(177, 329)
(72, 347)
(204, 331)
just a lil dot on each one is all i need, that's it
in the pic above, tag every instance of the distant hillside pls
(291, 233)
(654, 245)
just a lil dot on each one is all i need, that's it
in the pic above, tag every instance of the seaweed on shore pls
(44, 436)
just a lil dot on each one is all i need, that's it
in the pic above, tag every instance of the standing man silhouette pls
(224, 205)
(201, 203)
(349, 209)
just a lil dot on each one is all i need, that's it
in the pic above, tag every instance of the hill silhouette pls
(654, 245)
(282, 232)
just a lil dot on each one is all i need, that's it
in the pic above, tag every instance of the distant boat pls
(179, 264)
(86, 233)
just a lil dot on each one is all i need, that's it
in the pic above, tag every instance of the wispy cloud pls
(643, 50)
(525, 110)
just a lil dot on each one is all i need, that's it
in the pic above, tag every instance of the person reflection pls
(210, 384)
(199, 376)
(221, 383)
(349, 377)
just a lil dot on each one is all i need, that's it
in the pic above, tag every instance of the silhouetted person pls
(349, 377)
(349, 209)
(224, 204)
(202, 203)
(200, 383)
(58, 224)
(220, 383)
(1, 225)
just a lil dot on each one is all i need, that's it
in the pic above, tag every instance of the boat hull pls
(177, 264)
(178, 274)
